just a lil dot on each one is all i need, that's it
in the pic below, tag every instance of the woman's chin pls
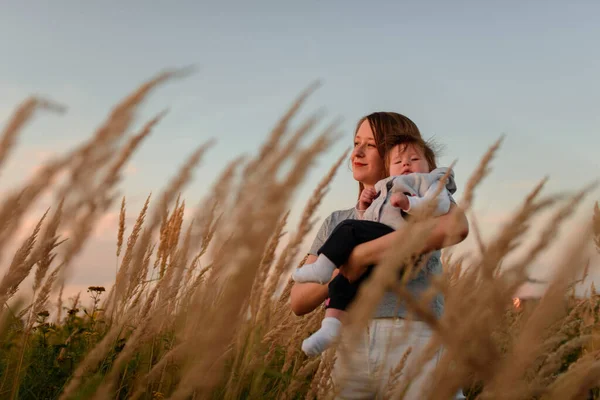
(364, 178)
(359, 176)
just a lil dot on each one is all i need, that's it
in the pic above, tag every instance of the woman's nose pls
(359, 151)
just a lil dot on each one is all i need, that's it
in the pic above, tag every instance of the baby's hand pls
(366, 198)
(399, 200)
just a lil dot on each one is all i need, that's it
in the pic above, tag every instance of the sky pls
(466, 72)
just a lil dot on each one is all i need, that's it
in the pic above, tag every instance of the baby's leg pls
(341, 294)
(338, 247)
(320, 271)
(322, 339)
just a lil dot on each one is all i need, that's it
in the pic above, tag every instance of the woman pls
(378, 354)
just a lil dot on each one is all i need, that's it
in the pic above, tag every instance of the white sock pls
(320, 271)
(319, 341)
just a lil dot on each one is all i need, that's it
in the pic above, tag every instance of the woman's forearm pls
(305, 297)
(450, 229)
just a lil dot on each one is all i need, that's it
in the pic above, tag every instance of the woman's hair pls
(386, 125)
(427, 147)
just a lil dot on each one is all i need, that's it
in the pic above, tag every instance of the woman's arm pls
(305, 297)
(450, 229)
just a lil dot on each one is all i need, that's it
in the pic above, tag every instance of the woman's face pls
(367, 165)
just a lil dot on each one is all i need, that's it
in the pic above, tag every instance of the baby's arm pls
(417, 204)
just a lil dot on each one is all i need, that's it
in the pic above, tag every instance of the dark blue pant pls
(344, 238)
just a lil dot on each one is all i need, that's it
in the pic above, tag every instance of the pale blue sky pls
(464, 71)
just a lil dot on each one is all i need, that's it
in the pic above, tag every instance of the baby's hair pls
(429, 148)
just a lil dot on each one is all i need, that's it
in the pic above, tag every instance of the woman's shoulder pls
(329, 225)
(340, 215)
(336, 217)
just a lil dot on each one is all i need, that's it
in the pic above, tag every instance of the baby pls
(412, 183)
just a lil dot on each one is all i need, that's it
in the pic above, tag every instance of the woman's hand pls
(355, 265)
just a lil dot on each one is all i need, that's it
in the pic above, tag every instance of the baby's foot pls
(320, 271)
(320, 341)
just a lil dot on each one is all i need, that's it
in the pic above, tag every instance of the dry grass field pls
(200, 306)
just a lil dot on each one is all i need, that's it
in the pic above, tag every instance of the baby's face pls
(406, 159)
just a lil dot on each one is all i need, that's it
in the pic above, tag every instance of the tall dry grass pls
(200, 306)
